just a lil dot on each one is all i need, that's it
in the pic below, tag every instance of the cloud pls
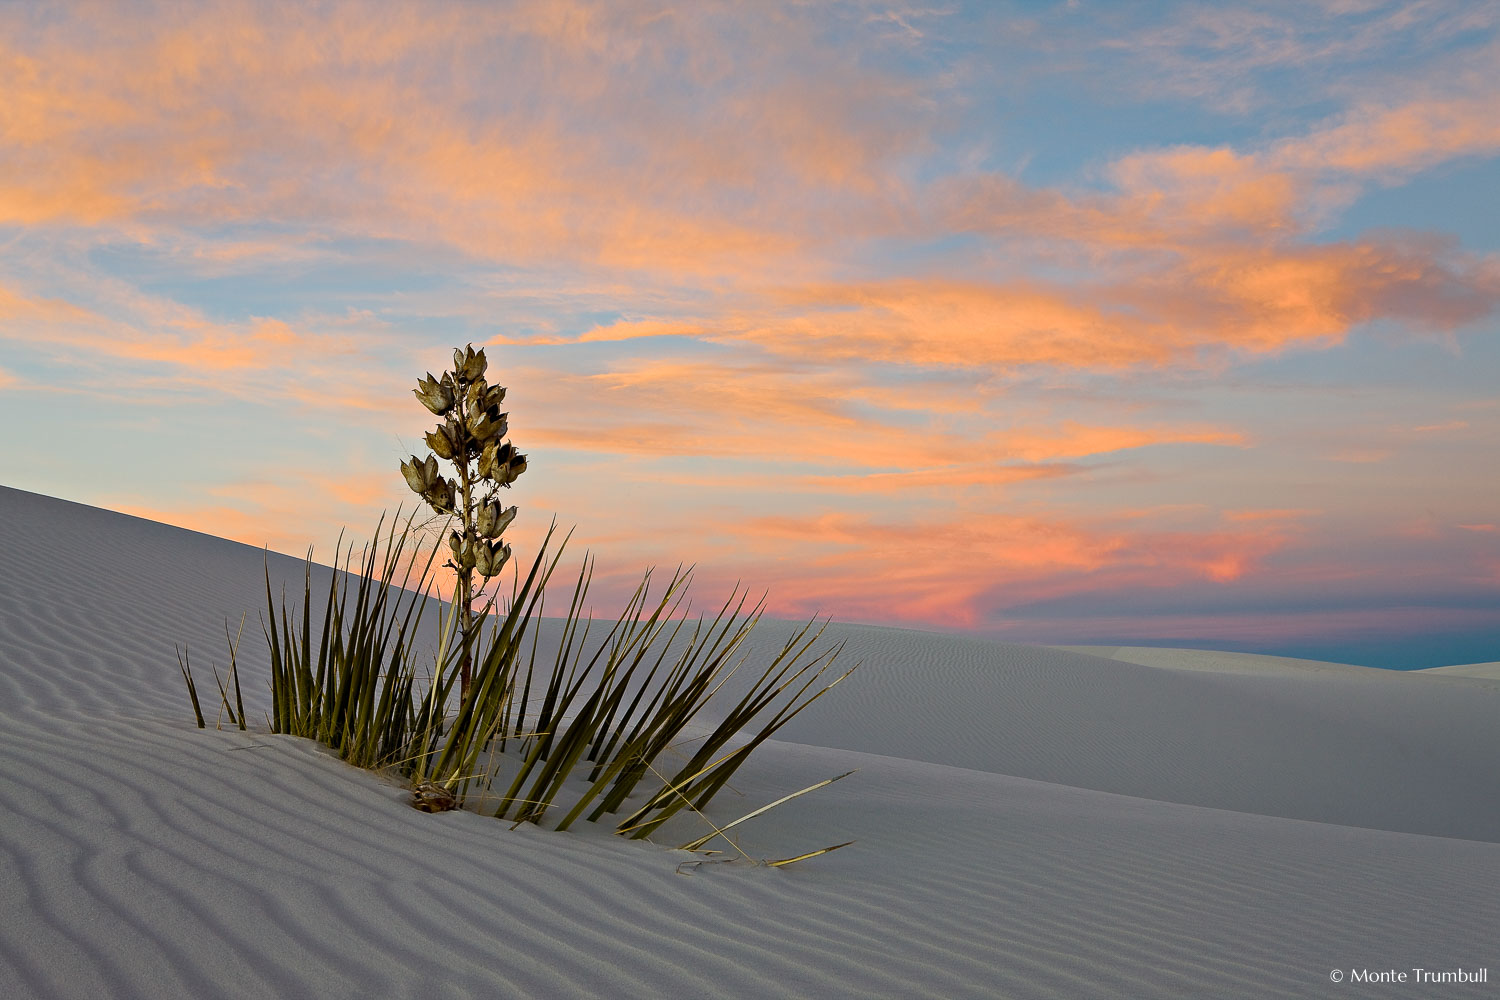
(966, 571)
(150, 347)
(583, 133)
(818, 420)
(1238, 58)
(1395, 140)
(1192, 311)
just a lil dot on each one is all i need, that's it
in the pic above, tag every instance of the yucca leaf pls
(803, 857)
(187, 676)
(694, 845)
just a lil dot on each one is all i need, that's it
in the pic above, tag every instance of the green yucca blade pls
(329, 639)
(674, 791)
(687, 689)
(234, 668)
(307, 615)
(187, 675)
(560, 679)
(565, 754)
(603, 705)
(280, 705)
(513, 794)
(520, 711)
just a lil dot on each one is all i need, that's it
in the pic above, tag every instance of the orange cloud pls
(1074, 440)
(943, 477)
(1180, 197)
(144, 120)
(328, 363)
(958, 572)
(1275, 514)
(1189, 189)
(622, 330)
(266, 343)
(17, 306)
(783, 415)
(1397, 139)
(1218, 299)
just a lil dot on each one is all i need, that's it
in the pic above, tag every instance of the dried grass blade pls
(763, 809)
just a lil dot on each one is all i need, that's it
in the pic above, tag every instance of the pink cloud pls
(959, 571)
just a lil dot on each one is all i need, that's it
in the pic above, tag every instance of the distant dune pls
(1030, 822)
(1487, 671)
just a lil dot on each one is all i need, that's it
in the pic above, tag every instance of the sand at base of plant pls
(1030, 822)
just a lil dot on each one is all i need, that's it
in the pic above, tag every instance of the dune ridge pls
(1031, 822)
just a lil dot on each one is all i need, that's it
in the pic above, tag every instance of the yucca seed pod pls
(435, 395)
(485, 519)
(484, 561)
(494, 397)
(480, 426)
(420, 474)
(500, 420)
(501, 463)
(489, 457)
(514, 468)
(458, 436)
(412, 472)
(463, 551)
(474, 397)
(441, 446)
(492, 519)
(506, 516)
(491, 558)
(468, 364)
(441, 496)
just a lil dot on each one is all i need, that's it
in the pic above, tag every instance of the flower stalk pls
(469, 438)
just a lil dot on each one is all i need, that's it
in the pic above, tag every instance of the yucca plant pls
(604, 716)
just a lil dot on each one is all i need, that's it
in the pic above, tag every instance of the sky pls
(1150, 324)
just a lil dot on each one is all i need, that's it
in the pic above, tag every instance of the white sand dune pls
(1484, 671)
(1215, 661)
(1031, 822)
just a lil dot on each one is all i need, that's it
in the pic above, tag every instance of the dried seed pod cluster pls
(471, 437)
